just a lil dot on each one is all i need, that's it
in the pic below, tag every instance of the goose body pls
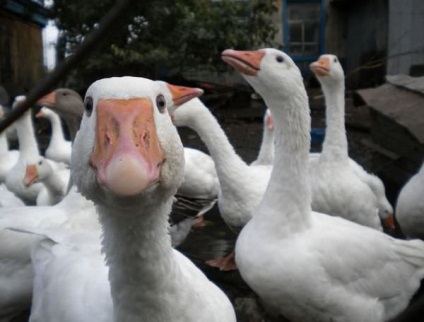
(28, 153)
(59, 149)
(8, 199)
(200, 178)
(241, 186)
(16, 270)
(410, 206)
(306, 265)
(149, 280)
(338, 183)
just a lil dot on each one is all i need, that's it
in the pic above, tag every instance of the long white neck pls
(139, 255)
(4, 145)
(266, 151)
(335, 142)
(27, 144)
(286, 206)
(57, 137)
(228, 163)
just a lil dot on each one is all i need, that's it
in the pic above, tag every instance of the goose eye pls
(279, 58)
(160, 103)
(335, 60)
(88, 106)
(40, 162)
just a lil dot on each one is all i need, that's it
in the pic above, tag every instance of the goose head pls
(68, 104)
(265, 69)
(127, 146)
(328, 70)
(36, 172)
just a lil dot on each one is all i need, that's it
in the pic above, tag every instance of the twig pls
(48, 83)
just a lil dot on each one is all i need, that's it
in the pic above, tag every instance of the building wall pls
(21, 58)
(406, 39)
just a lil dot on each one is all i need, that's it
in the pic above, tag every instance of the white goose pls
(54, 179)
(74, 212)
(241, 186)
(127, 157)
(59, 149)
(410, 206)
(266, 151)
(8, 158)
(28, 152)
(306, 265)
(336, 184)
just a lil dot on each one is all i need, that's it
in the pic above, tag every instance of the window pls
(303, 22)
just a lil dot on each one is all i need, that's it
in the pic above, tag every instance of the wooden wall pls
(21, 54)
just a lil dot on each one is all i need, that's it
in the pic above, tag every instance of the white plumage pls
(148, 279)
(306, 265)
(410, 206)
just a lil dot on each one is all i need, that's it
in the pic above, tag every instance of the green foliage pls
(163, 35)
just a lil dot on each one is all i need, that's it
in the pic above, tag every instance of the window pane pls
(295, 32)
(303, 25)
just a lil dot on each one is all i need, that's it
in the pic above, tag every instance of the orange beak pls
(246, 62)
(182, 94)
(390, 222)
(321, 67)
(31, 174)
(127, 154)
(47, 100)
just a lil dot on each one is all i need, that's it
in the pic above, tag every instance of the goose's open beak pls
(127, 154)
(31, 174)
(182, 94)
(321, 67)
(48, 100)
(246, 62)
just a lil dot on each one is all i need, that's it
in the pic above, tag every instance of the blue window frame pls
(304, 30)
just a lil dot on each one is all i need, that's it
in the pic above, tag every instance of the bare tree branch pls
(48, 83)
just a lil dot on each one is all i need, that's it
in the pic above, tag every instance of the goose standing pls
(266, 151)
(241, 186)
(59, 149)
(127, 157)
(306, 265)
(337, 189)
(410, 206)
(8, 158)
(28, 153)
(55, 181)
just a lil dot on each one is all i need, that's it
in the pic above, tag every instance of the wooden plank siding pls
(21, 53)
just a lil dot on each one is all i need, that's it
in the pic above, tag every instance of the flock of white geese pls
(85, 232)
